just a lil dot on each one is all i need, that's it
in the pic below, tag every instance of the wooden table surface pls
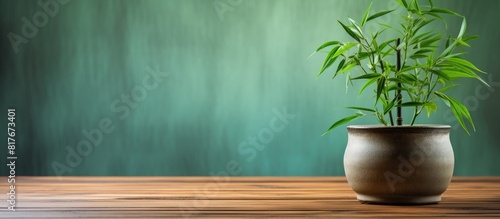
(238, 197)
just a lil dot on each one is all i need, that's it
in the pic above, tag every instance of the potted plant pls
(394, 163)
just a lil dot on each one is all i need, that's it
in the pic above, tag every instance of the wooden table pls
(239, 197)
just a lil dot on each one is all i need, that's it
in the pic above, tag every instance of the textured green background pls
(228, 72)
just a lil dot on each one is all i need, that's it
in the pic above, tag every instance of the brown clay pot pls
(399, 164)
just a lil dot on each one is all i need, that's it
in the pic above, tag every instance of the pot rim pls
(383, 127)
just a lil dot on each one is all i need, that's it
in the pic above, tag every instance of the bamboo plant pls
(414, 69)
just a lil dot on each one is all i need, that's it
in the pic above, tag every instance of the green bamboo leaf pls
(347, 81)
(381, 119)
(390, 27)
(439, 17)
(408, 68)
(380, 86)
(374, 39)
(418, 56)
(416, 22)
(443, 11)
(420, 37)
(401, 46)
(348, 67)
(329, 43)
(350, 32)
(462, 29)
(440, 74)
(429, 107)
(380, 14)
(465, 112)
(328, 60)
(458, 109)
(442, 81)
(408, 78)
(388, 68)
(344, 48)
(364, 55)
(448, 50)
(447, 44)
(463, 62)
(395, 87)
(390, 106)
(429, 62)
(454, 55)
(463, 43)
(367, 76)
(368, 83)
(344, 120)
(328, 64)
(340, 66)
(397, 80)
(403, 3)
(423, 24)
(358, 31)
(428, 42)
(365, 16)
(456, 73)
(461, 112)
(444, 89)
(361, 108)
(385, 43)
(453, 67)
(467, 38)
(384, 102)
(417, 6)
(431, 3)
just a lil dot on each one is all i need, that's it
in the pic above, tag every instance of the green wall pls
(180, 88)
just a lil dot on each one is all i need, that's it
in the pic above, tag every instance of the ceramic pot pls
(399, 164)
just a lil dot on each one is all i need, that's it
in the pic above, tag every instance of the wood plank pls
(237, 197)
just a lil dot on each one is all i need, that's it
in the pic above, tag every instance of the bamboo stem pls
(398, 92)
